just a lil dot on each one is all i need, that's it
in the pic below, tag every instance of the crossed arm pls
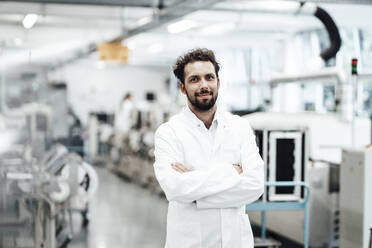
(223, 185)
(182, 169)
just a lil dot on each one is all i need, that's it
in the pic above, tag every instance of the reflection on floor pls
(122, 215)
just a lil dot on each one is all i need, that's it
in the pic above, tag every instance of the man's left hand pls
(238, 168)
(179, 167)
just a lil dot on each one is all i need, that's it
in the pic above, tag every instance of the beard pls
(203, 104)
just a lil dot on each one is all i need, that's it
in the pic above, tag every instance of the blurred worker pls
(207, 163)
(123, 117)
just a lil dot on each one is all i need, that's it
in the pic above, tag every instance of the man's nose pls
(203, 83)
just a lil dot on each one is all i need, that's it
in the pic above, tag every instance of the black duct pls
(333, 33)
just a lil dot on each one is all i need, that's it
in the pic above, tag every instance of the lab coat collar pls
(218, 117)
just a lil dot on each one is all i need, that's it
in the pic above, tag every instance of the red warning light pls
(354, 66)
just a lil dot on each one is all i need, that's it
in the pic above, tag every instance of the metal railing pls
(264, 206)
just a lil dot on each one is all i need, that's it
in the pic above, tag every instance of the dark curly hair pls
(198, 54)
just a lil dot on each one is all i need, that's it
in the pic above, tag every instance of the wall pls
(96, 86)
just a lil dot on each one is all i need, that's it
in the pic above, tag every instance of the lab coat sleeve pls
(251, 184)
(193, 185)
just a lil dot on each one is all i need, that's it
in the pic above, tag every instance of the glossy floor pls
(122, 215)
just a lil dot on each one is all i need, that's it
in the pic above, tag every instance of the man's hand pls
(179, 167)
(238, 168)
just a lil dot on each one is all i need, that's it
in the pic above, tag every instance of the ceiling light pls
(273, 5)
(219, 28)
(29, 21)
(181, 26)
(144, 20)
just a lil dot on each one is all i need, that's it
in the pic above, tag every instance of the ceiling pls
(67, 30)
(161, 3)
(123, 3)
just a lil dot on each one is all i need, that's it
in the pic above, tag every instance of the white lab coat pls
(207, 205)
(123, 117)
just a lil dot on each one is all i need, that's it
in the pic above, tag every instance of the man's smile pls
(204, 94)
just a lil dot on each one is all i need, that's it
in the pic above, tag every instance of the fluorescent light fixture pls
(29, 21)
(144, 20)
(156, 48)
(273, 5)
(181, 26)
(219, 28)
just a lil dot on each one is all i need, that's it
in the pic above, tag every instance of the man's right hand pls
(238, 168)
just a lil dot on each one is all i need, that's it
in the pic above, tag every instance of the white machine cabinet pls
(355, 198)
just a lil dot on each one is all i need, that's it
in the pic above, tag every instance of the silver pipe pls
(308, 9)
(2, 90)
(325, 73)
(2, 93)
(167, 15)
(354, 90)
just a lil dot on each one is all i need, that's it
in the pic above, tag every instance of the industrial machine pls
(100, 131)
(356, 198)
(305, 147)
(37, 198)
(134, 158)
(39, 187)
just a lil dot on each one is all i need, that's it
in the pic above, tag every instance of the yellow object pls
(113, 52)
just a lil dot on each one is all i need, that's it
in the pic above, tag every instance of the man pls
(207, 163)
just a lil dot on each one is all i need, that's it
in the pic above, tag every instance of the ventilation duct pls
(333, 33)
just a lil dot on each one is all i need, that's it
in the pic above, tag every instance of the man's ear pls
(218, 83)
(182, 88)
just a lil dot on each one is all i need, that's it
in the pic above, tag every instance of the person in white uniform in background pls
(207, 162)
(124, 115)
(124, 119)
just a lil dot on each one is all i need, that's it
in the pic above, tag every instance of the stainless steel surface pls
(122, 214)
(355, 197)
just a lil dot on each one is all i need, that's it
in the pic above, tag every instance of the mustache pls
(202, 92)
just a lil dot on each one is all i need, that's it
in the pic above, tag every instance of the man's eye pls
(210, 77)
(193, 79)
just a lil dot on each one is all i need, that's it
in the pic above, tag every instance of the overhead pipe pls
(304, 9)
(117, 3)
(167, 14)
(162, 15)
